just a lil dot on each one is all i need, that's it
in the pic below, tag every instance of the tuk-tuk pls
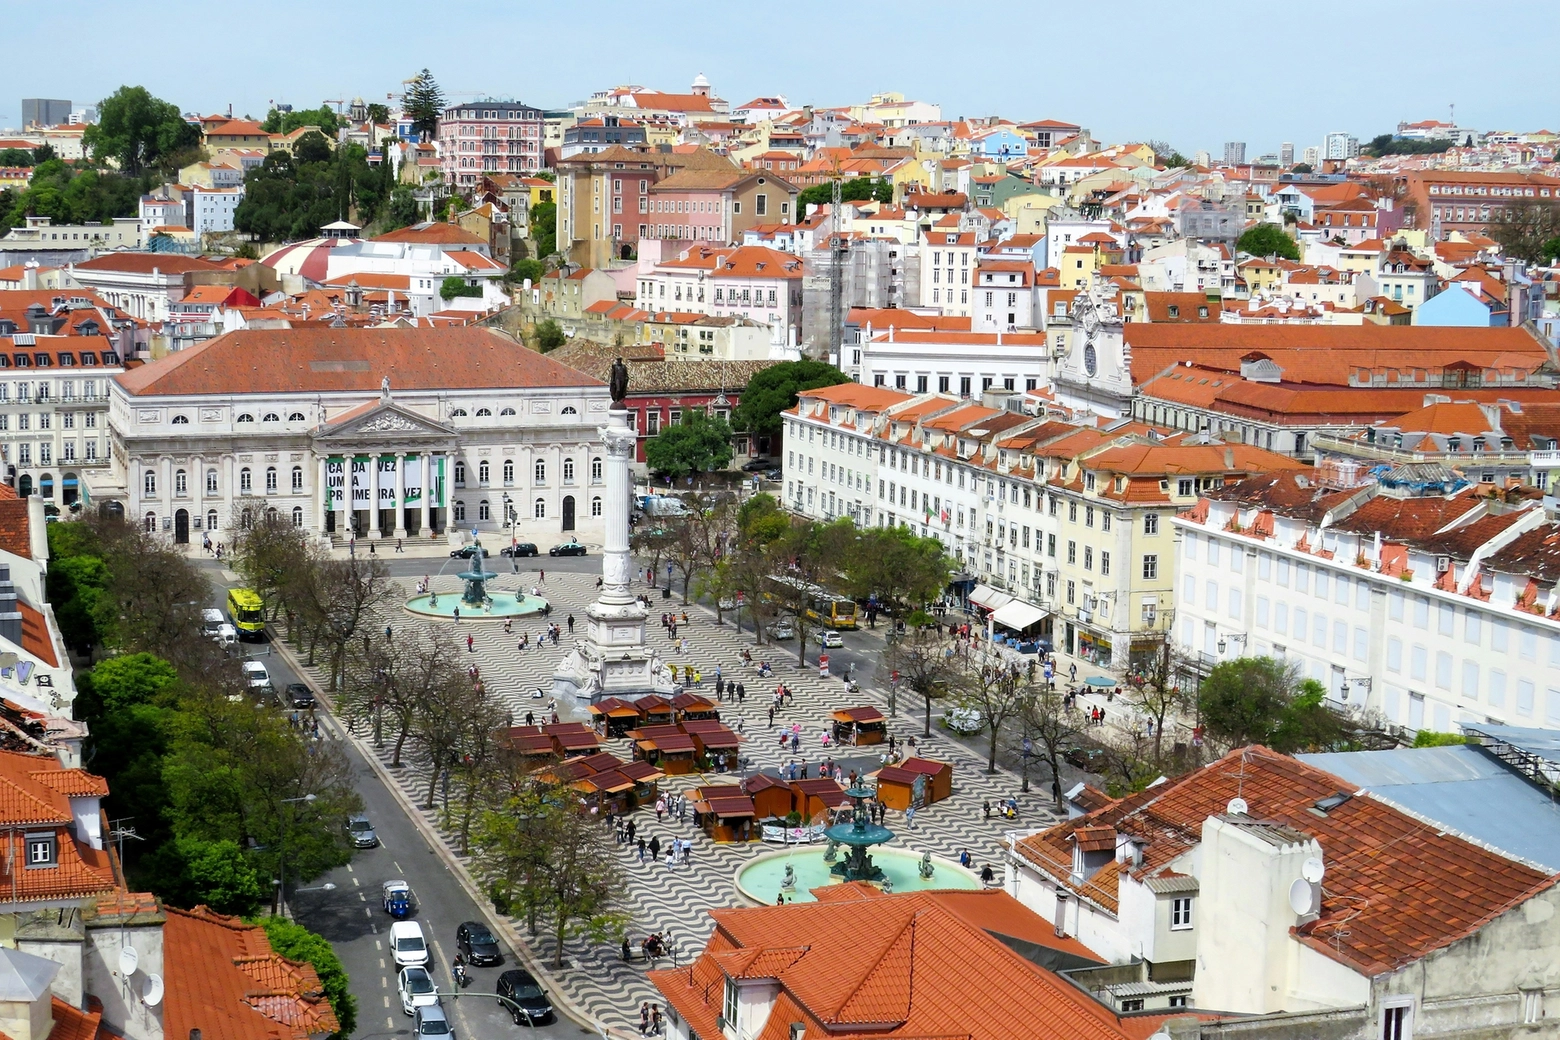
(397, 898)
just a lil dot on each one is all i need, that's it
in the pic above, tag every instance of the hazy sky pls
(1195, 74)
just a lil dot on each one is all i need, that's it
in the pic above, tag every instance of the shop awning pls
(988, 597)
(1018, 615)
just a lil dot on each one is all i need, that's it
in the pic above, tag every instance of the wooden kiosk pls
(665, 747)
(896, 784)
(613, 717)
(725, 812)
(692, 707)
(771, 797)
(811, 797)
(860, 726)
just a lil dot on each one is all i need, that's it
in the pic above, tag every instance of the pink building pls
(483, 137)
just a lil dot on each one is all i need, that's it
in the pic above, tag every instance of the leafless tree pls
(1052, 728)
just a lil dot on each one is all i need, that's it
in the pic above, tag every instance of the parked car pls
(465, 552)
(299, 695)
(520, 549)
(1089, 759)
(569, 548)
(408, 944)
(520, 986)
(256, 677)
(782, 629)
(477, 944)
(828, 638)
(757, 465)
(416, 989)
(226, 635)
(431, 1021)
(774, 474)
(211, 619)
(362, 832)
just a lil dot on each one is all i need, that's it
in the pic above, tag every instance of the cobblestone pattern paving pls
(674, 901)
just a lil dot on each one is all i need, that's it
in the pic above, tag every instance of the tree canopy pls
(137, 131)
(423, 102)
(1262, 700)
(288, 196)
(549, 336)
(73, 195)
(286, 122)
(1268, 240)
(774, 389)
(900, 567)
(697, 444)
(1528, 230)
(857, 189)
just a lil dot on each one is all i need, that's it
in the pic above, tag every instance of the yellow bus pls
(823, 606)
(247, 610)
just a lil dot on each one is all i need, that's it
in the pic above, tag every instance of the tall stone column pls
(375, 529)
(321, 497)
(400, 494)
(427, 494)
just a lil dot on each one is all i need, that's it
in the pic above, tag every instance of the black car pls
(774, 474)
(477, 944)
(756, 465)
(299, 695)
(1089, 759)
(519, 986)
(569, 548)
(520, 549)
(465, 552)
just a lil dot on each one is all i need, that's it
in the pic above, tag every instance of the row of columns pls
(376, 529)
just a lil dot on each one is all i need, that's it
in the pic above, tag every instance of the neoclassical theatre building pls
(381, 433)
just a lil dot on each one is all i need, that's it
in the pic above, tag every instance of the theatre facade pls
(372, 433)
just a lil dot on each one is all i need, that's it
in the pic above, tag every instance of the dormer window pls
(43, 850)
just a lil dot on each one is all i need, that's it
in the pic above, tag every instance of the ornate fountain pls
(858, 835)
(477, 578)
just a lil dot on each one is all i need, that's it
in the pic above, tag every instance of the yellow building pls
(1261, 274)
(1030, 212)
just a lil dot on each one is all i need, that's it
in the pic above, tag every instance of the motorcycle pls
(462, 976)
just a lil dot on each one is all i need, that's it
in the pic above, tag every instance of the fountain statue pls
(926, 869)
(788, 882)
(477, 578)
(858, 835)
(476, 601)
(831, 853)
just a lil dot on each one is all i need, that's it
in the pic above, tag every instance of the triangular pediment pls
(382, 420)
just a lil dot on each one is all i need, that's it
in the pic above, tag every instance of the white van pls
(408, 945)
(211, 620)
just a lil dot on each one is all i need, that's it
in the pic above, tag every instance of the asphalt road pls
(351, 918)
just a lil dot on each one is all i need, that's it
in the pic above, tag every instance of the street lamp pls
(281, 881)
(512, 517)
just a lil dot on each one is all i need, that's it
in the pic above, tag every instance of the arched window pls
(507, 411)
(245, 521)
(568, 471)
(482, 472)
(509, 471)
(540, 511)
(297, 516)
(297, 480)
(271, 417)
(484, 412)
(270, 480)
(181, 485)
(211, 519)
(569, 409)
(150, 523)
(245, 484)
(295, 417)
(459, 413)
(149, 483)
(595, 470)
(460, 510)
(482, 510)
(211, 482)
(270, 514)
(460, 474)
(595, 506)
(246, 417)
(181, 420)
(541, 472)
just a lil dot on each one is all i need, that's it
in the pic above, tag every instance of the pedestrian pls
(371, 548)
(771, 716)
(986, 808)
(720, 685)
(571, 624)
(660, 808)
(741, 692)
(471, 643)
(655, 847)
(1072, 672)
(455, 613)
(910, 817)
(644, 1018)
(671, 859)
(398, 546)
(641, 852)
(387, 633)
(655, 1019)
(632, 827)
(530, 718)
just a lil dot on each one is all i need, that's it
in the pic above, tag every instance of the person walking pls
(660, 808)
(471, 643)
(641, 852)
(644, 1018)
(455, 613)
(398, 547)
(655, 847)
(571, 624)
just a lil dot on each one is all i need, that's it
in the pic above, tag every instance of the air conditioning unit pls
(1443, 564)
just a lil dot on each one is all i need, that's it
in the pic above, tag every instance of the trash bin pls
(666, 593)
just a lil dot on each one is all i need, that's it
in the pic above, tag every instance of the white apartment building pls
(212, 209)
(54, 410)
(922, 360)
(947, 259)
(751, 282)
(1005, 296)
(1432, 611)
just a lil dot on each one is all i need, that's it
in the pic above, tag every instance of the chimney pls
(1229, 458)
(798, 1030)
(1061, 913)
(10, 612)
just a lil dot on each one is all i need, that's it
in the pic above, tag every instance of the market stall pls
(860, 726)
(612, 717)
(725, 813)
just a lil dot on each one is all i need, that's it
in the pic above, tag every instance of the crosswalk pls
(674, 901)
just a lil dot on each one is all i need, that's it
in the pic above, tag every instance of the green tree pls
(1261, 700)
(298, 943)
(1268, 240)
(455, 285)
(1303, 168)
(901, 568)
(697, 444)
(16, 157)
(43, 153)
(544, 228)
(774, 389)
(423, 101)
(378, 114)
(1527, 230)
(402, 211)
(923, 657)
(137, 130)
(286, 122)
(79, 587)
(292, 196)
(857, 189)
(526, 270)
(549, 336)
(217, 874)
(1430, 738)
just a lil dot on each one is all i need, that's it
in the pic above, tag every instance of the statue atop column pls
(617, 382)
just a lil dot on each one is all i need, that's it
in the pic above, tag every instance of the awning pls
(1019, 615)
(988, 597)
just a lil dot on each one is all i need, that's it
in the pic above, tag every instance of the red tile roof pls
(35, 791)
(226, 980)
(1397, 888)
(144, 263)
(438, 232)
(313, 360)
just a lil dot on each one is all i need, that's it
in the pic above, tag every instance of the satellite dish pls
(1312, 870)
(1300, 896)
(129, 960)
(152, 991)
(1237, 807)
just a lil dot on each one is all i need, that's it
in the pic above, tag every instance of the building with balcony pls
(488, 137)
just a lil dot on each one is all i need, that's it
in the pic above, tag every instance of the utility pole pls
(839, 250)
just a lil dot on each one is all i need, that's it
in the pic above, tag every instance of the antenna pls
(1312, 870)
(152, 991)
(1237, 807)
(1301, 896)
(129, 960)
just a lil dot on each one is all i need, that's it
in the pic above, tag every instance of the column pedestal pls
(612, 660)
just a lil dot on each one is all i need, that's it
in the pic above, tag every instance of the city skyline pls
(1169, 99)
